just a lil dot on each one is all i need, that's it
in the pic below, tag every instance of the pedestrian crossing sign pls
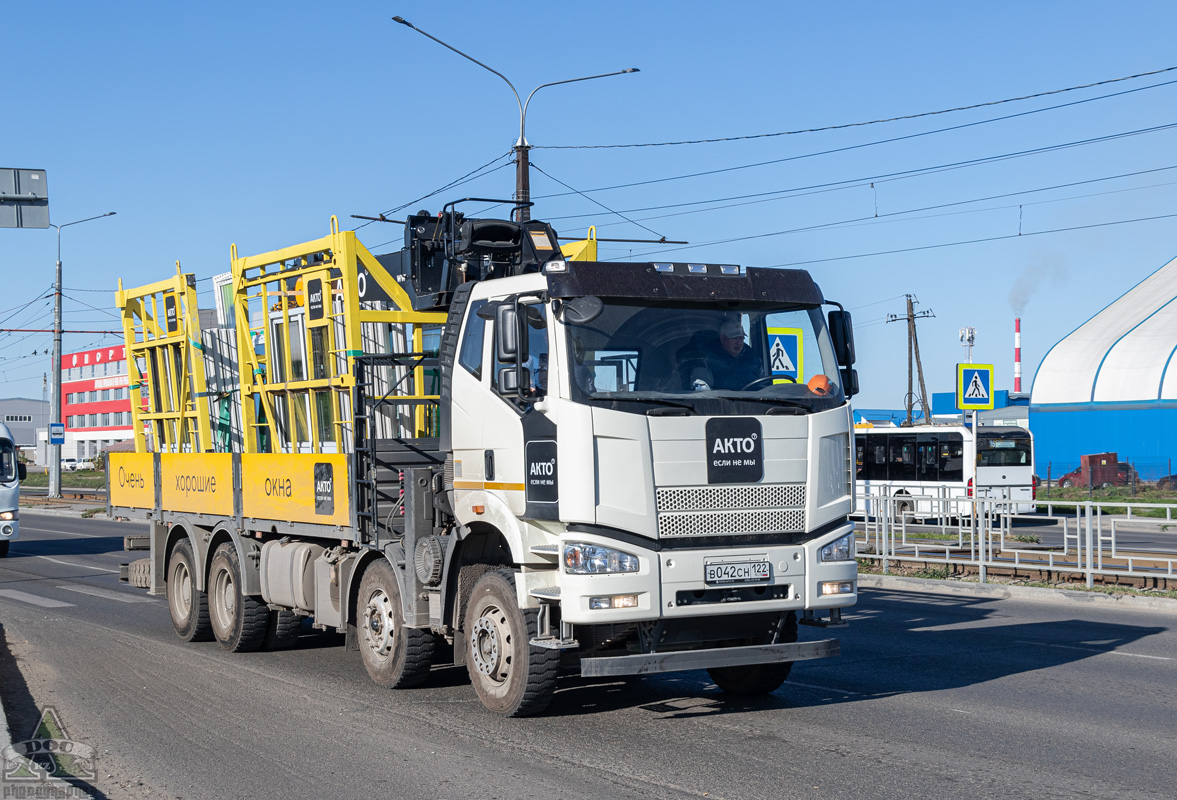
(785, 356)
(974, 387)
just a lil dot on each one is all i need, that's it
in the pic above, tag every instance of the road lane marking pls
(64, 533)
(1097, 650)
(819, 688)
(68, 563)
(32, 599)
(109, 594)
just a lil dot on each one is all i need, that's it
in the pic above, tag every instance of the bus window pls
(901, 457)
(1003, 451)
(859, 450)
(927, 457)
(951, 457)
(874, 466)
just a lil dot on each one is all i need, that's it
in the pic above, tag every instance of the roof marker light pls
(697, 268)
(663, 267)
(729, 269)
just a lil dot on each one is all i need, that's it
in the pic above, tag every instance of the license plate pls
(737, 572)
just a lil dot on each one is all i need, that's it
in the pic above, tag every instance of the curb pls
(997, 591)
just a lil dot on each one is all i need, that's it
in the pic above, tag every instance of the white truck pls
(602, 468)
(12, 472)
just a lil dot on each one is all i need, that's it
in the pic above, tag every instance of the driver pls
(734, 365)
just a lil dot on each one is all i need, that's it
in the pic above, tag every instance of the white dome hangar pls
(1111, 385)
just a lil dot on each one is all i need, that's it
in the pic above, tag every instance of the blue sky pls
(210, 124)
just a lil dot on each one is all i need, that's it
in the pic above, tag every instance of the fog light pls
(614, 601)
(837, 587)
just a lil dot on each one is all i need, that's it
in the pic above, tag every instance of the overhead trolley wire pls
(878, 121)
(832, 151)
(598, 202)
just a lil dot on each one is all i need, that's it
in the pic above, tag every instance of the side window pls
(470, 353)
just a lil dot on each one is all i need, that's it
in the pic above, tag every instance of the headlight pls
(591, 559)
(839, 549)
(7, 515)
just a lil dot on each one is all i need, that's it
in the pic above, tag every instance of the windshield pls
(7, 461)
(707, 360)
(1008, 449)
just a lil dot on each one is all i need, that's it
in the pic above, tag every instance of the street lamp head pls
(402, 21)
(631, 69)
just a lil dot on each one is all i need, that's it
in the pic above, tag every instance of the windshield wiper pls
(780, 404)
(668, 405)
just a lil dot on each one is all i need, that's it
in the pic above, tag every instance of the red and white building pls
(96, 401)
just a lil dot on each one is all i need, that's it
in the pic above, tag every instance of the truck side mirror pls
(842, 334)
(849, 381)
(510, 347)
(513, 381)
(22, 472)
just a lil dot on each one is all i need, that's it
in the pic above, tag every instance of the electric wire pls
(1020, 235)
(469, 176)
(882, 121)
(598, 202)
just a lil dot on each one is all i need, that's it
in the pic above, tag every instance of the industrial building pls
(1111, 385)
(23, 417)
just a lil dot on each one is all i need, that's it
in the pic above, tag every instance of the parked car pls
(69, 464)
(86, 463)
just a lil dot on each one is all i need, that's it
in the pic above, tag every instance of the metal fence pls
(1084, 539)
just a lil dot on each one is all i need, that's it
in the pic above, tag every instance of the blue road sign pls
(784, 353)
(56, 433)
(974, 387)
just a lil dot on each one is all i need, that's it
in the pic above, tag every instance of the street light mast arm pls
(523, 111)
(408, 24)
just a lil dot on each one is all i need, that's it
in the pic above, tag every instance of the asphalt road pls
(932, 697)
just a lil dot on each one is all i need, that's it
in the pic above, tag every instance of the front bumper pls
(646, 664)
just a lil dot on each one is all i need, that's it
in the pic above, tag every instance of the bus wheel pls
(510, 675)
(239, 621)
(187, 605)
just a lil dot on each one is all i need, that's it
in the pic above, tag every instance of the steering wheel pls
(766, 378)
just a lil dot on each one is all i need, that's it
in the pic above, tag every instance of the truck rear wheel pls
(396, 657)
(238, 620)
(510, 675)
(282, 630)
(187, 605)
(753, 679)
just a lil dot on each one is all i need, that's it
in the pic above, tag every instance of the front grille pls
(731, 510)
(708, 498)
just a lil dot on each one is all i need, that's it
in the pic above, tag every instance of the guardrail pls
(993, 532)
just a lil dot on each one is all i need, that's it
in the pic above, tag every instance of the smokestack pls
(1017, 355)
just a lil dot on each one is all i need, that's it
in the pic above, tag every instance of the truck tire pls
(510, 675)
(139, 573)
(238, 620)
(282, 630)
(396, 656)
(187, 604)
(753, 679)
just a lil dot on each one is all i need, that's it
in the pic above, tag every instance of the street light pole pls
(54, 450)
(521, 147)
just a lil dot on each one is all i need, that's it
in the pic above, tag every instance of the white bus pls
(926, 464)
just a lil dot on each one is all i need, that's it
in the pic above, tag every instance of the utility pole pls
(913, 349)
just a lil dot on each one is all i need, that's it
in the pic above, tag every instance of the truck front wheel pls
(239, 620)
(396, 657)
(510, 675)
(752, 679)
(187, 604)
